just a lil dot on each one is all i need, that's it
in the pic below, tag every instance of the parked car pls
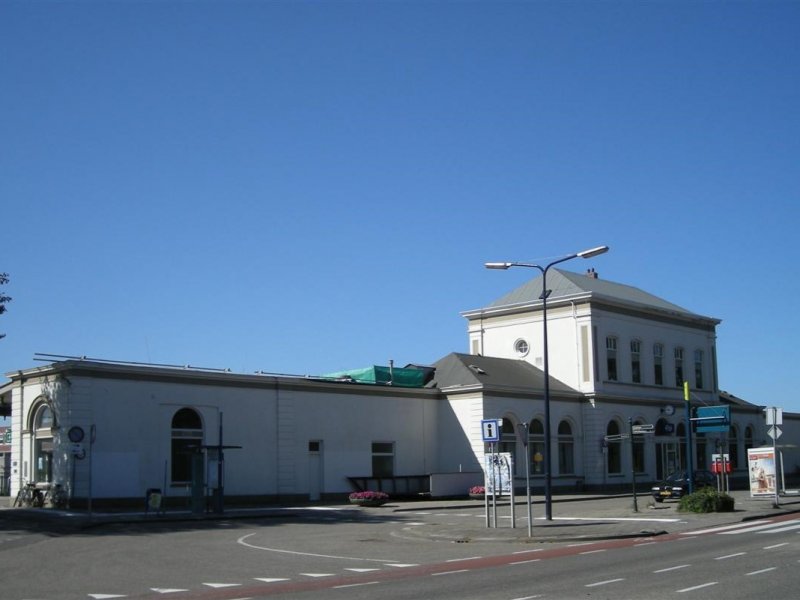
(677, 484)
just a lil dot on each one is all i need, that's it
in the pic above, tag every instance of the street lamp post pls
(548, 492)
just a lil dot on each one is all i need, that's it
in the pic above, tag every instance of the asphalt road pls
(357, 554)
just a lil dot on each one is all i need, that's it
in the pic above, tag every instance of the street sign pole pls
(522, 431)
(775, 453)
(689, 459)
(633, 466)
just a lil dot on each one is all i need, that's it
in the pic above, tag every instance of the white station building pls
(107, 432)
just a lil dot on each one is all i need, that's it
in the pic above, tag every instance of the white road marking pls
(527, 552)
(612, 519)
(362, 570)
(528, 597)
(717, 529)
(606, 582)
(270, 579)
(672, 568)
(449, 572)
(782, 529)
(696, 587)
(593, 551)
(767, 570)
(352, 585)
(525, 562)
(168, 590)
(775, 546)
(460, 559)
(401, 565)
(222, 585)
(317, 574)
(106, 596)
(242, 541)
(753, 528)
(730, 556)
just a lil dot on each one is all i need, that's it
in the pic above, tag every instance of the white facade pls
(306, 438)
(296, 436)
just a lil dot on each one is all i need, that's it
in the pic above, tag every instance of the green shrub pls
(706, 500)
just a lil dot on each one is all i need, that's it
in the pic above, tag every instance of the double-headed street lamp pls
(548, 492)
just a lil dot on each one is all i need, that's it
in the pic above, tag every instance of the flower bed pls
(369, 498)
(477, 492)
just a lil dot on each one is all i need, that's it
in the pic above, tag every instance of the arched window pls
(733, 447)
(536, 447)
(508, 439)
(187, 438)
(566, 449)
(614, 458)
(43, 422)
(748, 438)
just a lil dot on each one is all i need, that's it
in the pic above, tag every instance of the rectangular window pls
(698, 369)
(658, 364)
(636, 362)
(679, 367)
(476, 347)
(383, 459)
(611, 357)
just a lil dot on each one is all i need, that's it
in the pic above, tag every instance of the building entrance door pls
(315, 472)
(668, 458)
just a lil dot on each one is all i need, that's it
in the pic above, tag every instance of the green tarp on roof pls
(400, 377)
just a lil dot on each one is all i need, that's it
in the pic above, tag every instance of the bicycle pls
(56, 497)
(29, 496)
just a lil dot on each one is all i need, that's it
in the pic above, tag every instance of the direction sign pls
(713, 418)
(491, 429)
(646, 428)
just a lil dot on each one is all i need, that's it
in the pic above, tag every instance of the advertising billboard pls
(761, 466)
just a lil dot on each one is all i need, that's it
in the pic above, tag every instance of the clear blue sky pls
(304, 187)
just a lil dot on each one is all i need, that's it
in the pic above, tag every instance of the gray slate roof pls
(565, 284)
(466, 370)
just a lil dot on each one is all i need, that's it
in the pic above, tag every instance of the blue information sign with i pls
(491, 429)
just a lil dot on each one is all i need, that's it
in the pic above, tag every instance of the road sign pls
(646, 428)
(491, 429)
(774, 432)
(774, 416)
(713, 418)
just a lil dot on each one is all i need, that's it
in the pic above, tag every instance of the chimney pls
(591, 273)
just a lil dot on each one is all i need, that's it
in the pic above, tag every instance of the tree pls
(3, 298)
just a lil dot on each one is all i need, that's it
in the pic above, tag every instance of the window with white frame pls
(678, 354)
(698, 369)
(611, 357)
(521, 347)
(43, 423)
(508, 439)
(566, 449)
(383, 459)
(636, 361)
(536, 446)
(658, 364)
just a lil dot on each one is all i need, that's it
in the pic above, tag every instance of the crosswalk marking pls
(761, 526)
